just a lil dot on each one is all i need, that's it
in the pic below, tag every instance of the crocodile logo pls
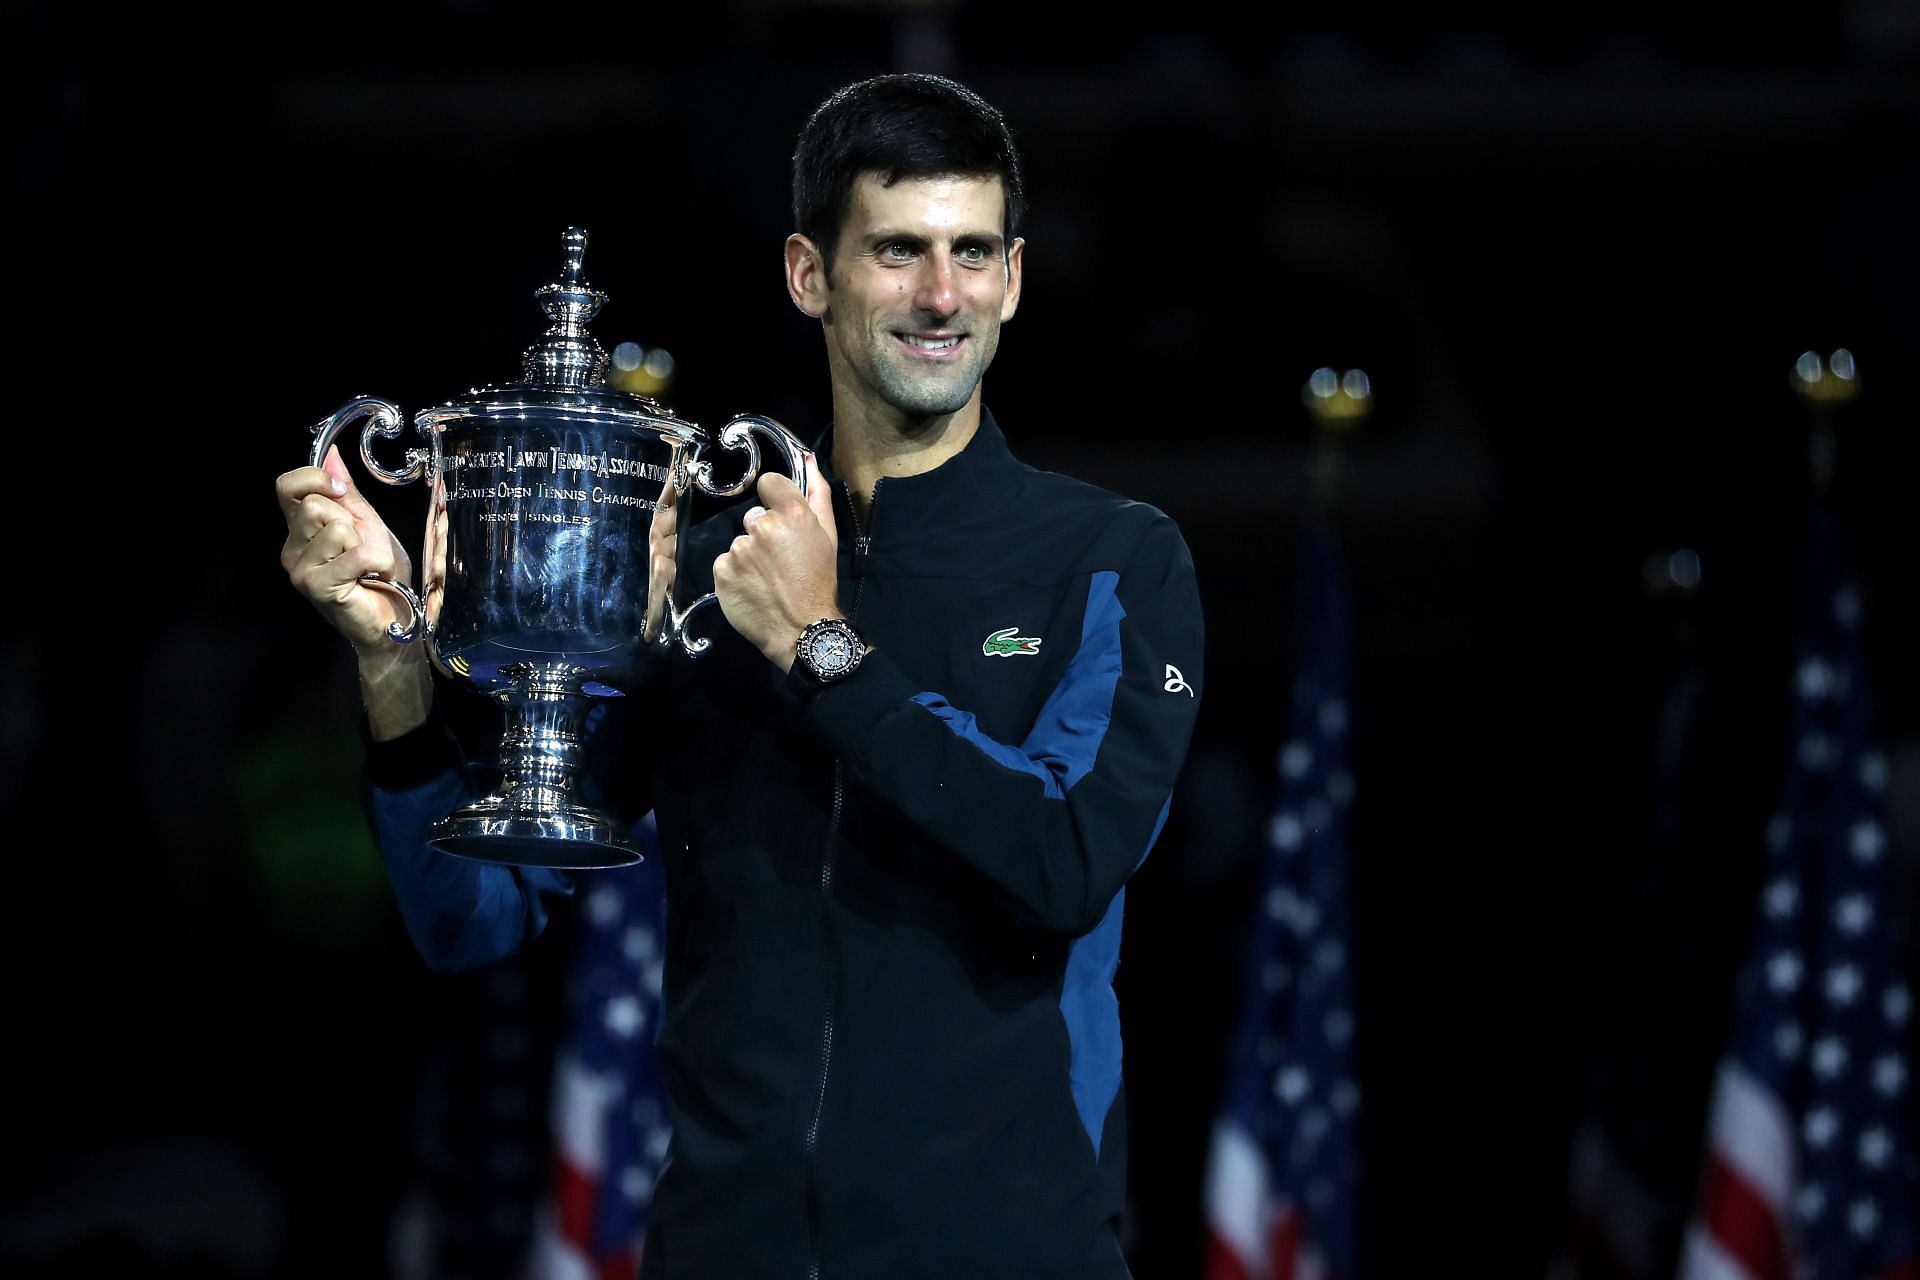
(1005, 644)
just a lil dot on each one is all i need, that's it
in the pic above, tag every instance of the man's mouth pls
(932, 345)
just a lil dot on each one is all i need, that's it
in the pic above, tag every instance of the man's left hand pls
(783, 572)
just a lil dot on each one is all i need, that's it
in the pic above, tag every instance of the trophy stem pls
(537, 818)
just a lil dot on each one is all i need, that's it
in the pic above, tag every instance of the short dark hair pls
(898, 126)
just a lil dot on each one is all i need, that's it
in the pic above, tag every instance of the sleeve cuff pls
(846, 714)
(413, 759)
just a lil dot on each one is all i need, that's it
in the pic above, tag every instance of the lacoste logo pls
(1004, 644)
(1177, 683)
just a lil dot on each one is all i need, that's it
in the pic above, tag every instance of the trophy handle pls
(736, 435)
(676, 626)
(384, 419)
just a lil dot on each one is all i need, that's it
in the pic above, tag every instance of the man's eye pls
(895, 252)
(973, 255)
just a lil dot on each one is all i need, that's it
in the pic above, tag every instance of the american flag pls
(609, 1105)
(1281, 1173)
(1811, 1167)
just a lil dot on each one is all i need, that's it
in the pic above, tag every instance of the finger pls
(328, 545)
(368, 560)
(666, 517)
(776, 490)
(316, 512)
(341, 538)
(319, 572)
(753, 516)
(660, 574)
(820, 499)
(295, 486)
(350, 494)
(439, 566)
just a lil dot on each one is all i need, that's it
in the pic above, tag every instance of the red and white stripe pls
(563, 1230)
(1739, 1226)
(1252, 1233)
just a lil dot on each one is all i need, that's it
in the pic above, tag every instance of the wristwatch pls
(828, 650)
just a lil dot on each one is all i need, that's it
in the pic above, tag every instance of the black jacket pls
(890, 1039)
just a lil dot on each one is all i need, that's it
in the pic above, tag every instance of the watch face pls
(832, 650)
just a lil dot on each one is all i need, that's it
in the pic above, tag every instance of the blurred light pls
(1667, 571)
(641, 370)
(1338, 400)
(1833, 379)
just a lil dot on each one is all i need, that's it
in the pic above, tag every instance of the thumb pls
(336, 466)
(352, 499)
(820, 500)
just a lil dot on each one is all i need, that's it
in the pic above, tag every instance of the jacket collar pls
(931, 498)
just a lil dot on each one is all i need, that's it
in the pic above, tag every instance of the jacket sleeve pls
(1056, 823)
(460, 913)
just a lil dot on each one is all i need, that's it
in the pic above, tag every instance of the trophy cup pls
(544, 491)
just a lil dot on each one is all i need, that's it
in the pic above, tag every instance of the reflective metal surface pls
(543, 493)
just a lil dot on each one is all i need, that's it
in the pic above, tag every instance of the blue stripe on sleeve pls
(1066, 735)
(1092, 1014)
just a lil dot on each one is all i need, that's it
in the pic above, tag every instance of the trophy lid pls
(565, 372)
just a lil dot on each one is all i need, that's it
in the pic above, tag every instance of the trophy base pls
(570, 838)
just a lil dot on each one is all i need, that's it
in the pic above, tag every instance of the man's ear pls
(1011, 302)
(806, 276)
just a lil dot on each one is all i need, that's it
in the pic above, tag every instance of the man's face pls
(922, 279)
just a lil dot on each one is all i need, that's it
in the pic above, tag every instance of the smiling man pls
(913, 295)
(900, 798)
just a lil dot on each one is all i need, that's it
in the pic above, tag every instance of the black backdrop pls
(1578, 258)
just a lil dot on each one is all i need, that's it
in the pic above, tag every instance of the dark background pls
(1577, 255)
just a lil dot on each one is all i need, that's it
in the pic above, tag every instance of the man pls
(899, 797)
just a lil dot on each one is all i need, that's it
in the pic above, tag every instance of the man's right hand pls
(334, 539)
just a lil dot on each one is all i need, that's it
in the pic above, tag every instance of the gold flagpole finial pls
(1824, 384)
(1339, 403)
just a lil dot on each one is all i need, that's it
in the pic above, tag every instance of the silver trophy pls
(544, 492)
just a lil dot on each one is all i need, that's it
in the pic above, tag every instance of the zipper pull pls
(863, 532)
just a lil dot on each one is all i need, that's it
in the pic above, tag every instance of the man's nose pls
(936, 294)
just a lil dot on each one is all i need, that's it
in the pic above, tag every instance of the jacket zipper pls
(862, 547)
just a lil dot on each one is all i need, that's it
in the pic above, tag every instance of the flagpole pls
(1811, 1167)
(1282, 1176)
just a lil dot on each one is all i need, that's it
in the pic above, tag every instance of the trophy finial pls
(576, 245)
(567, 355)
